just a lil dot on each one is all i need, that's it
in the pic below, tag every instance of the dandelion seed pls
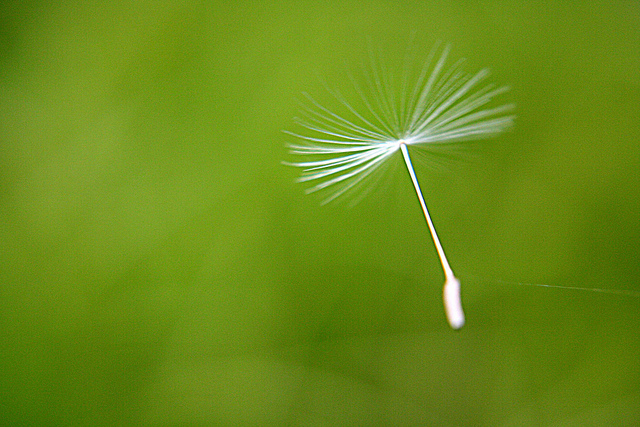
(344, 152)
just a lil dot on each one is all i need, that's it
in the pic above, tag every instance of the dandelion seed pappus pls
(435, 104)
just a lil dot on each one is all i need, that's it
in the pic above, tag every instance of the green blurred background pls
(159, 266)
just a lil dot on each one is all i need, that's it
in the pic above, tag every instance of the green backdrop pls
(160, 266)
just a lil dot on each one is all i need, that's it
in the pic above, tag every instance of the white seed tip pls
(452, 303)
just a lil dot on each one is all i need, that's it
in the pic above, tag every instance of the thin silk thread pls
(625, 292)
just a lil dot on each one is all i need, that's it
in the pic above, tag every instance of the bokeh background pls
(159, 266)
